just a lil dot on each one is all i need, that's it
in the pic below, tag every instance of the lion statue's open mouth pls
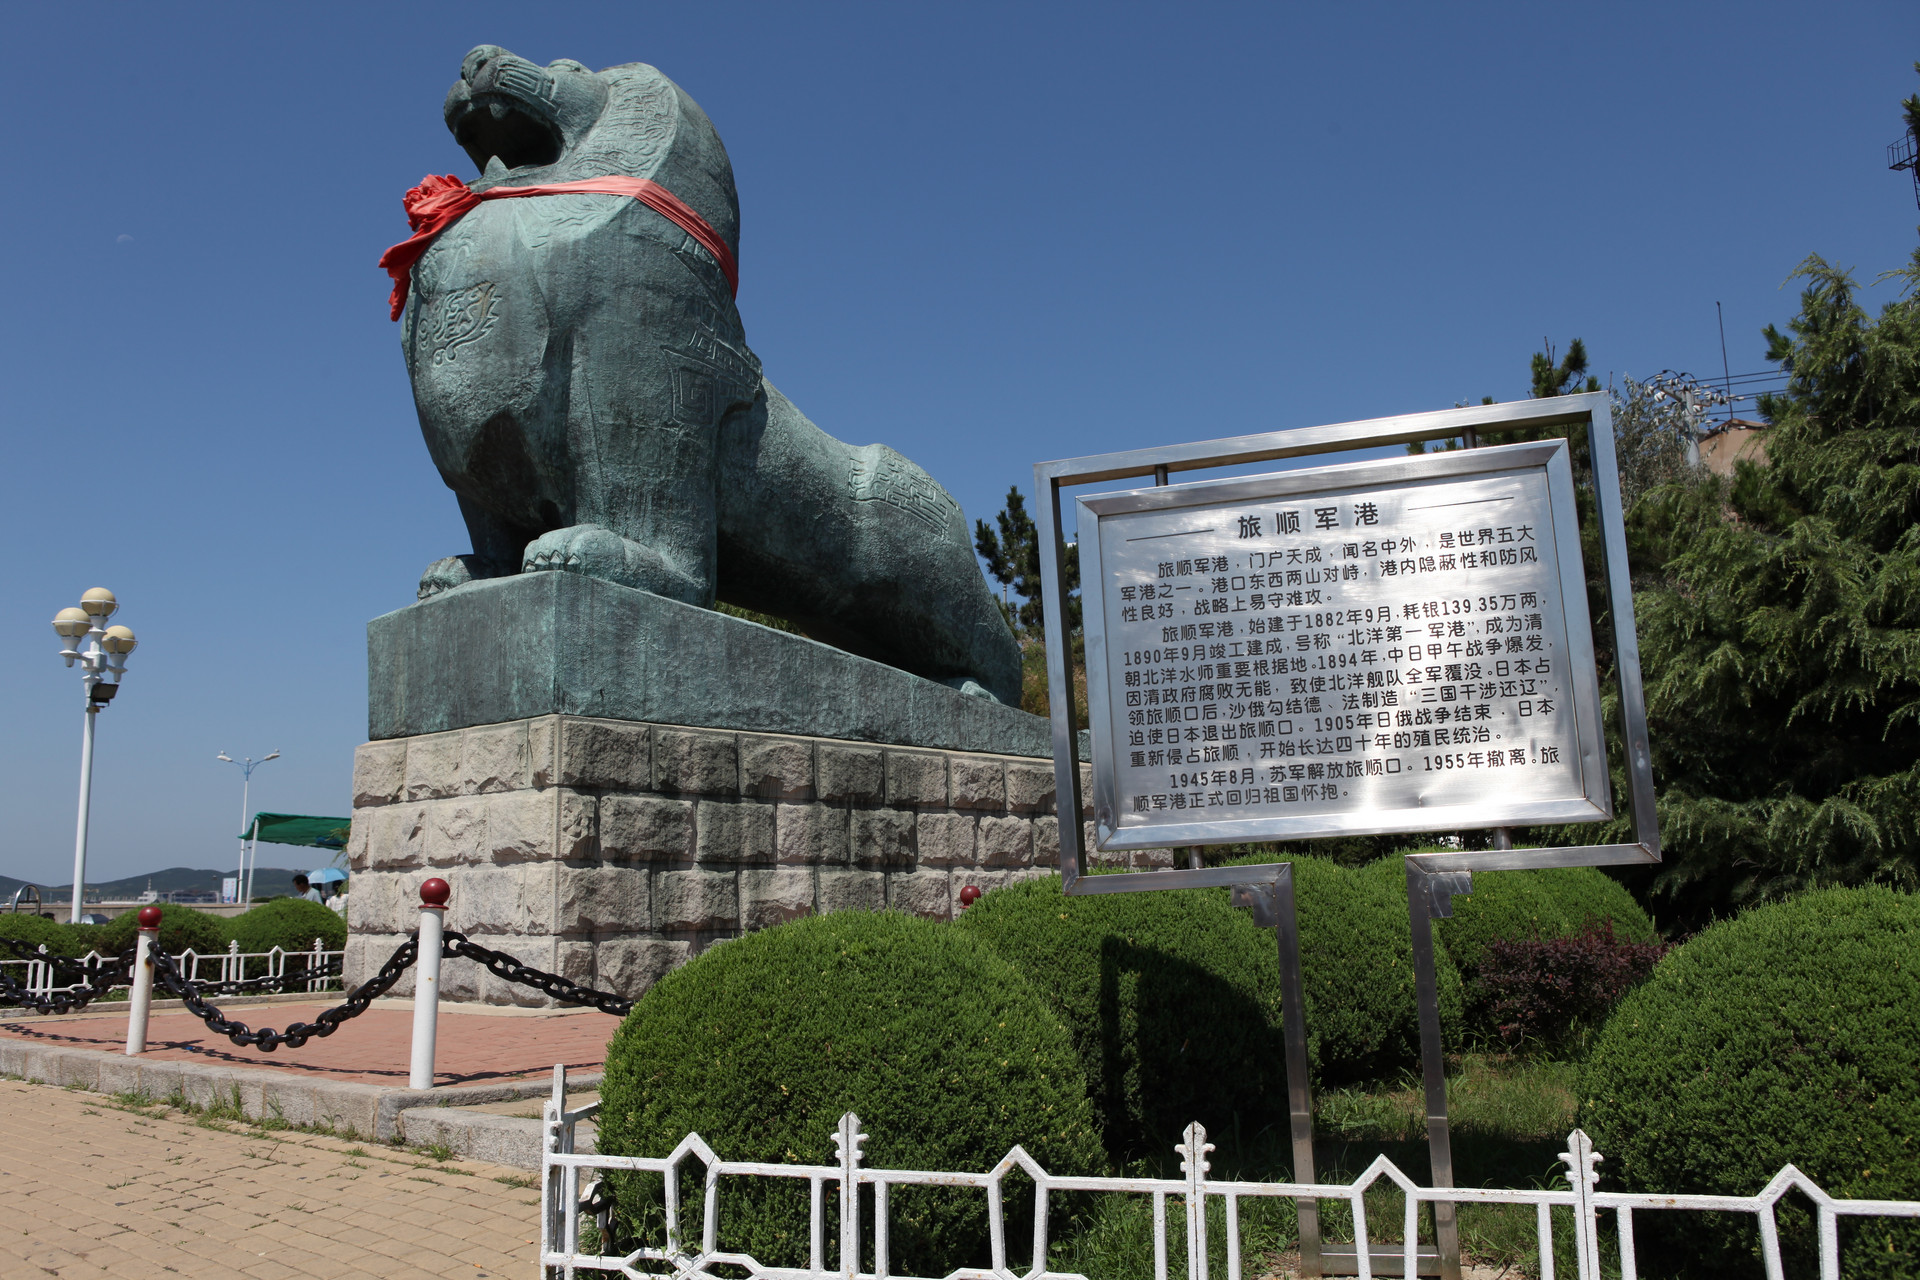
(506, 108)
(585, 386)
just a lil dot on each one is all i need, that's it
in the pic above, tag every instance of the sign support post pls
(1272, 905)
(1429, 895)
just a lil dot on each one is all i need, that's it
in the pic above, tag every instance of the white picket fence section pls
(675, 1257)
(231, 965)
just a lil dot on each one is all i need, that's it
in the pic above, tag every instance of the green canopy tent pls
(292, 828)
(295, 828)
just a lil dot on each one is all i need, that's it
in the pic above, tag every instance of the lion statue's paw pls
(445, 574)
(971, 688)
(601, 553)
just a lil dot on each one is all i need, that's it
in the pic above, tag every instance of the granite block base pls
(612, 850)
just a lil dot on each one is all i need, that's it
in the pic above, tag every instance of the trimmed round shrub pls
(1172, 999)
(290, 924)
(1558, 902)
(759, 1045)
(181, 929)
(1790, 1034)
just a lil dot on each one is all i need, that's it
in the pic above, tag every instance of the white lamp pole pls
(247, 766)
(102, 661)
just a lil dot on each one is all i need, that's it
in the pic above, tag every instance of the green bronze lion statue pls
(586, 390)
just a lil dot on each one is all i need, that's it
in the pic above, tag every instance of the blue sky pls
(985, 234)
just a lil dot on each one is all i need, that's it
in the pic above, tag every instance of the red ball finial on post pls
(149, 917)
(969, 896)
(435, 892)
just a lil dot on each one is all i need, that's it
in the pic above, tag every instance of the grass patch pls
(1509, 1120)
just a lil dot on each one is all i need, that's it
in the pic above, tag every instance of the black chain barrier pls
(599, 1203)
(453, 945)
(102, 975)
(168, 975)
(97, 977)
(501, 965)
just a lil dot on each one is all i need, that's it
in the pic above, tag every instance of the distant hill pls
(267, 881)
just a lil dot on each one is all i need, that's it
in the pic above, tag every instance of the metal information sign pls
(1382, 646)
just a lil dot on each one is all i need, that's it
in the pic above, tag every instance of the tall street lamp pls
(103, 660)
(247, 766)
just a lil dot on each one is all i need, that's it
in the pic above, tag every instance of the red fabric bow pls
(439, 202)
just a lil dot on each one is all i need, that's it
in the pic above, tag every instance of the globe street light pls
(102, 661)
(243, 889)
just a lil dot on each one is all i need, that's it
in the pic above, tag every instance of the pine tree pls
(1013, 560)
(1549, 379)
(1779, 620)
(1562, 379)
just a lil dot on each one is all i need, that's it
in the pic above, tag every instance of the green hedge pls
(1789, 1034)
(181, 928)
(760, 1044)
(1172, 1000)
(1555, 903)
(288, 923)
(58, 937)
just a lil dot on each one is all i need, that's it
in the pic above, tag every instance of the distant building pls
(1730, 441)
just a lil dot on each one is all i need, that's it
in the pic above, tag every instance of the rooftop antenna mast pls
(1726, 370)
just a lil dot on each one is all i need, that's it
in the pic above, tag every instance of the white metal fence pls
(42, 978)
(676, 1256)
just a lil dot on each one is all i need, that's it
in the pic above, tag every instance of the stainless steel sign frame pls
(1590, 801)
(1443, 591)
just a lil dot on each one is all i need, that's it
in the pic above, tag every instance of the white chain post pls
(142, 1002)
(426, 982)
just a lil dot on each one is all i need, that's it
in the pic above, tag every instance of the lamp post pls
(103, 660)
(246, 767)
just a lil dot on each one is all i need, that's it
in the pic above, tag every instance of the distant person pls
(339, 899)
(303, 888)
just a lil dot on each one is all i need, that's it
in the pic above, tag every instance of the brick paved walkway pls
(94, 1190)
(473, 1048)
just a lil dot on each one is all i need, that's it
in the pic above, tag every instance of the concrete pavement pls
(98, 1188)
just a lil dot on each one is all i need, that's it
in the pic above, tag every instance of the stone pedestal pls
(611, 847)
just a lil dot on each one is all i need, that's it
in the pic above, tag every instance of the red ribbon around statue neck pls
(439, 202)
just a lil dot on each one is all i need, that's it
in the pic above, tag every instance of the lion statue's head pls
(525, 124)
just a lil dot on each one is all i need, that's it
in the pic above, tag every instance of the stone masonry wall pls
(611, 851)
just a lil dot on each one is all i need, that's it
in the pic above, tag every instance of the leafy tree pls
(1652, 436)
(1779, 618)
(1013, 560)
